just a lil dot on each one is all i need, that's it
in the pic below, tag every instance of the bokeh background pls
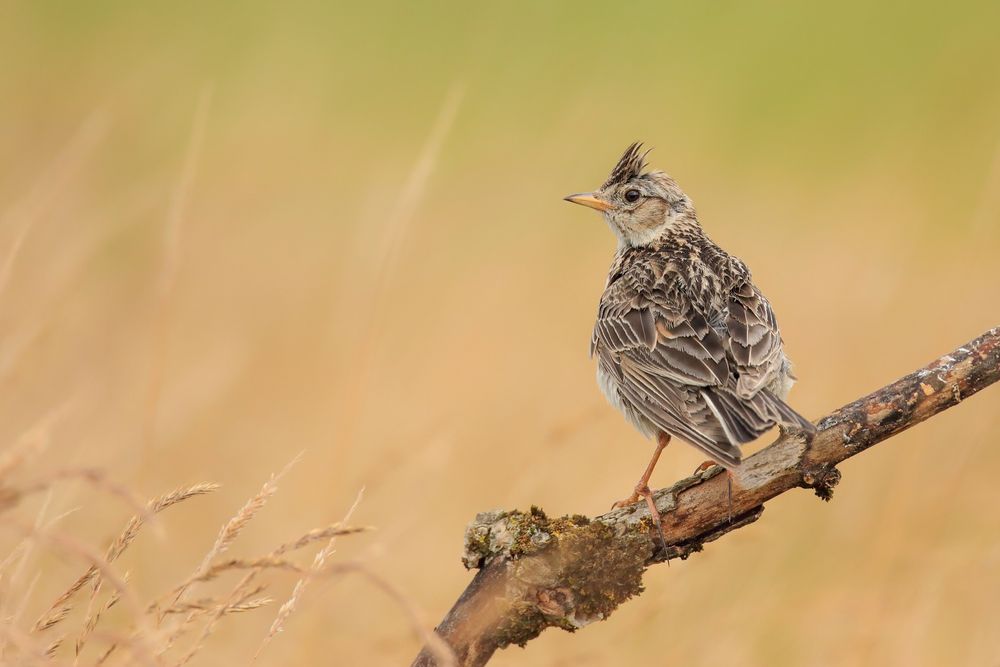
(235, 232)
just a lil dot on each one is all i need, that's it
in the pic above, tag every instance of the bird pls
(687, 346)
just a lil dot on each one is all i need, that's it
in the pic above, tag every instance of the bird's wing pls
(754, 341)
(690, 379)
(666, 358)
(755, 349)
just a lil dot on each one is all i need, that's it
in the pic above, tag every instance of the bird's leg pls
(642, 489)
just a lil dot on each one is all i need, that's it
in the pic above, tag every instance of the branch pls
(536, 572)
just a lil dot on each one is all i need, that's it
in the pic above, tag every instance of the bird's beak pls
(588, 199)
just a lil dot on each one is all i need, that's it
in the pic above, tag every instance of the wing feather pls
(703, 383)
(754, 340)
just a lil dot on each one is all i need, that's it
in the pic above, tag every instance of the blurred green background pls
(236, 231)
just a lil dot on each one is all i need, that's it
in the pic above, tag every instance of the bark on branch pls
(536, 572)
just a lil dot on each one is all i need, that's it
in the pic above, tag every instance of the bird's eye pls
(632, 196)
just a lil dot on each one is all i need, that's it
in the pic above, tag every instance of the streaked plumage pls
(685, 343)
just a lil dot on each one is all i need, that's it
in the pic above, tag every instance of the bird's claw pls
(625, 502)
(704, 466)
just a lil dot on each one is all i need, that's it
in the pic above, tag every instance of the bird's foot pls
(704, 466)
(625, 502)
(643, 491)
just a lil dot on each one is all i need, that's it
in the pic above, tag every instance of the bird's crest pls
(630, 166)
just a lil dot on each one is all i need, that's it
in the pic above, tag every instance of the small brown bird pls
(686, 344)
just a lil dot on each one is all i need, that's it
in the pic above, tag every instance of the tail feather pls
(745, 420)
(739, 425)
(787, 416)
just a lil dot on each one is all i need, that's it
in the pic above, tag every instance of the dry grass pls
(174, 627)
(317, 567)
(70, 630)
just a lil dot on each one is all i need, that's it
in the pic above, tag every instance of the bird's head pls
(639, 206)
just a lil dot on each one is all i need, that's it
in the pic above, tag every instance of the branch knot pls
(821, 478)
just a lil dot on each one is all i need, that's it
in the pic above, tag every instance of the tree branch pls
(536, 572)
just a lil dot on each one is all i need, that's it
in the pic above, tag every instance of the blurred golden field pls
(233, 233)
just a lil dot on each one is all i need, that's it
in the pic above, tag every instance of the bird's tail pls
(744, 420)
(786, 416)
